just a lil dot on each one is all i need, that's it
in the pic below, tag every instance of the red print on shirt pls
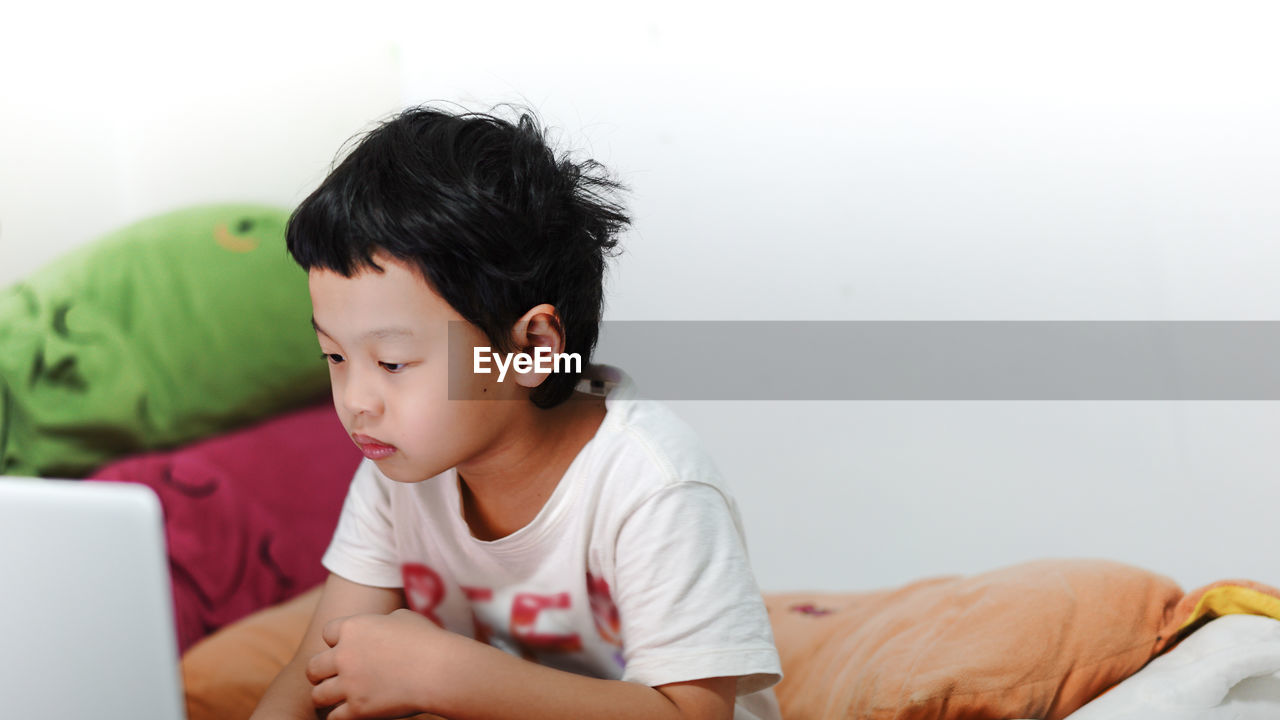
(484, 633)
(605, 612)
(423, 590)
(524, 619)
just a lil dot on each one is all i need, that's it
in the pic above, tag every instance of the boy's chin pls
(401, 474)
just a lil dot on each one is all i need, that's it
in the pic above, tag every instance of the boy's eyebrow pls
(377, 334)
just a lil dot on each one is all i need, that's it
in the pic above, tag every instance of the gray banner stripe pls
(926, 360)
(1042, 360)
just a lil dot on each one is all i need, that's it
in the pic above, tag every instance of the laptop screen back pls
(86, 617)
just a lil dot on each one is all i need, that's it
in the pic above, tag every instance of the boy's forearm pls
(288, 697)
(498, 686)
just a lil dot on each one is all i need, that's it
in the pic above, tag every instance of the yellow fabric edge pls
(1234, 600)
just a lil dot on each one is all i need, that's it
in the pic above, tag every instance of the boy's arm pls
(390, 665)
(289, 695)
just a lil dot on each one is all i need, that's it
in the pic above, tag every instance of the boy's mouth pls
(372, 448)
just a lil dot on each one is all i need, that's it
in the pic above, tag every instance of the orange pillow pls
(227, 672)
(1037, 640)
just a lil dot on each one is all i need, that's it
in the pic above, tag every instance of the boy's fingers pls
(331, 631)
(327, 694)
(320, 667)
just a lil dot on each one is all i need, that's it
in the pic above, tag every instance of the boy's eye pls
(333, 358)
(392, 367)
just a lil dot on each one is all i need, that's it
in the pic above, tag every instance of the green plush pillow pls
(168, 330)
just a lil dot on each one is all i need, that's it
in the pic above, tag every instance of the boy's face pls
(386, 338)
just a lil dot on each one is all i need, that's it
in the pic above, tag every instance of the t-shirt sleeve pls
(363, 546)
(689, 604)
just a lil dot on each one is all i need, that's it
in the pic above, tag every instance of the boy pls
(510, 549)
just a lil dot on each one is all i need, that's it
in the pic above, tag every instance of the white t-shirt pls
(634, 569)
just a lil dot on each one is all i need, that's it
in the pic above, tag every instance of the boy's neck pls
(504, 490)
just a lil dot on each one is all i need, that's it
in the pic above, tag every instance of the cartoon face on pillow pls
(169, 330)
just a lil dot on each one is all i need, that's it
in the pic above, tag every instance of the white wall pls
(111, 113)
(883, 162)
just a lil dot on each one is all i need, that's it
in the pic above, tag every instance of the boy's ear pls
(539, 327)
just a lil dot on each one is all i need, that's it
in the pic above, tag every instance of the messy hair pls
(491, 216)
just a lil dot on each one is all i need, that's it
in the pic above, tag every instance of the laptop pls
(86, 611)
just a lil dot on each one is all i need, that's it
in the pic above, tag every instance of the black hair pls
(487, 212)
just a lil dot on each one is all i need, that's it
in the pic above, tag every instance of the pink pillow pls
(247, 514)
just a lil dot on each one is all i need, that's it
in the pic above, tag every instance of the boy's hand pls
(392, 666)
(376, 665)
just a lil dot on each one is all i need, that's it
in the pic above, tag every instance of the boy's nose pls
(360, 395)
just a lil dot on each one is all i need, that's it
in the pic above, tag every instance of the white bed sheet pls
(1227, 670)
